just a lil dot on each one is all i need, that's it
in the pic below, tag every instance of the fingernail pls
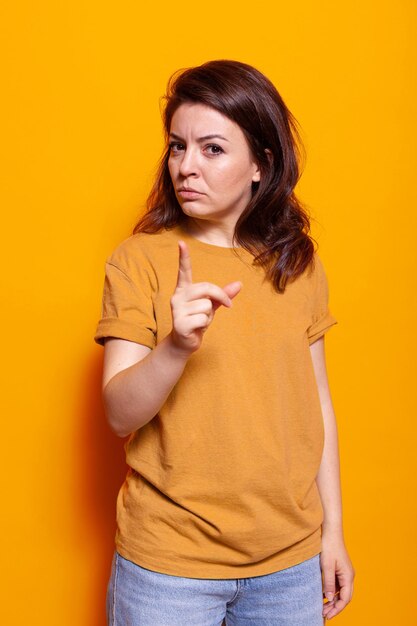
(329, 596)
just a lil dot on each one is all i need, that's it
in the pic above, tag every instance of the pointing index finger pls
(184, 267)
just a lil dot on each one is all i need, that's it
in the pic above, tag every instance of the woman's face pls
(220, 169)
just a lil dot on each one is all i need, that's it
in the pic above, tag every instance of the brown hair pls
(275, 225)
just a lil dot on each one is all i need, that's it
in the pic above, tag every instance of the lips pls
(188, 194)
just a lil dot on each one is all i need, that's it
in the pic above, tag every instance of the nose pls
(188, 163)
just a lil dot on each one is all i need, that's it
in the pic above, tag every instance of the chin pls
(189, 211)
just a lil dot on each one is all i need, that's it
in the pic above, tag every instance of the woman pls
(213, 320)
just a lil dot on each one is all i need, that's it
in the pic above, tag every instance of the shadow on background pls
(102, 470)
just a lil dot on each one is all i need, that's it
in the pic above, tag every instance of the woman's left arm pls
(337, 569)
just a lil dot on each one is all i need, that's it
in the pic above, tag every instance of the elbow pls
(117, 431)
(115, 425)
(122, 419)
(121, 426)
(114, 420)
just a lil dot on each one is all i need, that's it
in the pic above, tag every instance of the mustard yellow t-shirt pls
(221, 482)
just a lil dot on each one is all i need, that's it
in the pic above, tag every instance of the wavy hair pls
(274, 227)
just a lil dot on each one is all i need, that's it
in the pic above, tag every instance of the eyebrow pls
(200, 138)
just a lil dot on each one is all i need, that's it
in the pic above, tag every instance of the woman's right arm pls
(137, 381)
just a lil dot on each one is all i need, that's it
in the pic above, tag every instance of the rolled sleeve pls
(322, 318)
(127, 308)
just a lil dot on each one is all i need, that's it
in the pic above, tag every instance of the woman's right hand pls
(193, 304)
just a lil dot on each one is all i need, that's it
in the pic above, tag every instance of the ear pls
(257, 175)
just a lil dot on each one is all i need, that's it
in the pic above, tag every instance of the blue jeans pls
(141, 597)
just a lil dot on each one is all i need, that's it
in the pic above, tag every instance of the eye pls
(173, 145)
(215, 147)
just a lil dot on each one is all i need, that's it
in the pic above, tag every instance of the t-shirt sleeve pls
(127, 310)
(321, 317)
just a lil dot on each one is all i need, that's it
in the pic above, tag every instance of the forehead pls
(198, 119)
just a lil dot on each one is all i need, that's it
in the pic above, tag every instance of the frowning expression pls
(210, 154)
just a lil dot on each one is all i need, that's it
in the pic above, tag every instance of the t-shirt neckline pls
(209, 247)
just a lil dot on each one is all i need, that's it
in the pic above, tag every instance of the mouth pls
(188, 193)
(187, 189)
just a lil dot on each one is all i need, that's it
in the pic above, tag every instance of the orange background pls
(81, 137)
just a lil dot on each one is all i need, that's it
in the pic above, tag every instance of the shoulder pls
(316, 267)
(319, 287)
(144, 249)
(315, 276)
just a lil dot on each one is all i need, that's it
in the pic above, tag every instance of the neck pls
(208, 232)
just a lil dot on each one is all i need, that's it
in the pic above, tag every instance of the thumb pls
(232, 289)
(329, 582)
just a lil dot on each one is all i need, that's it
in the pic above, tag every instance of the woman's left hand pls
(338, 574)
